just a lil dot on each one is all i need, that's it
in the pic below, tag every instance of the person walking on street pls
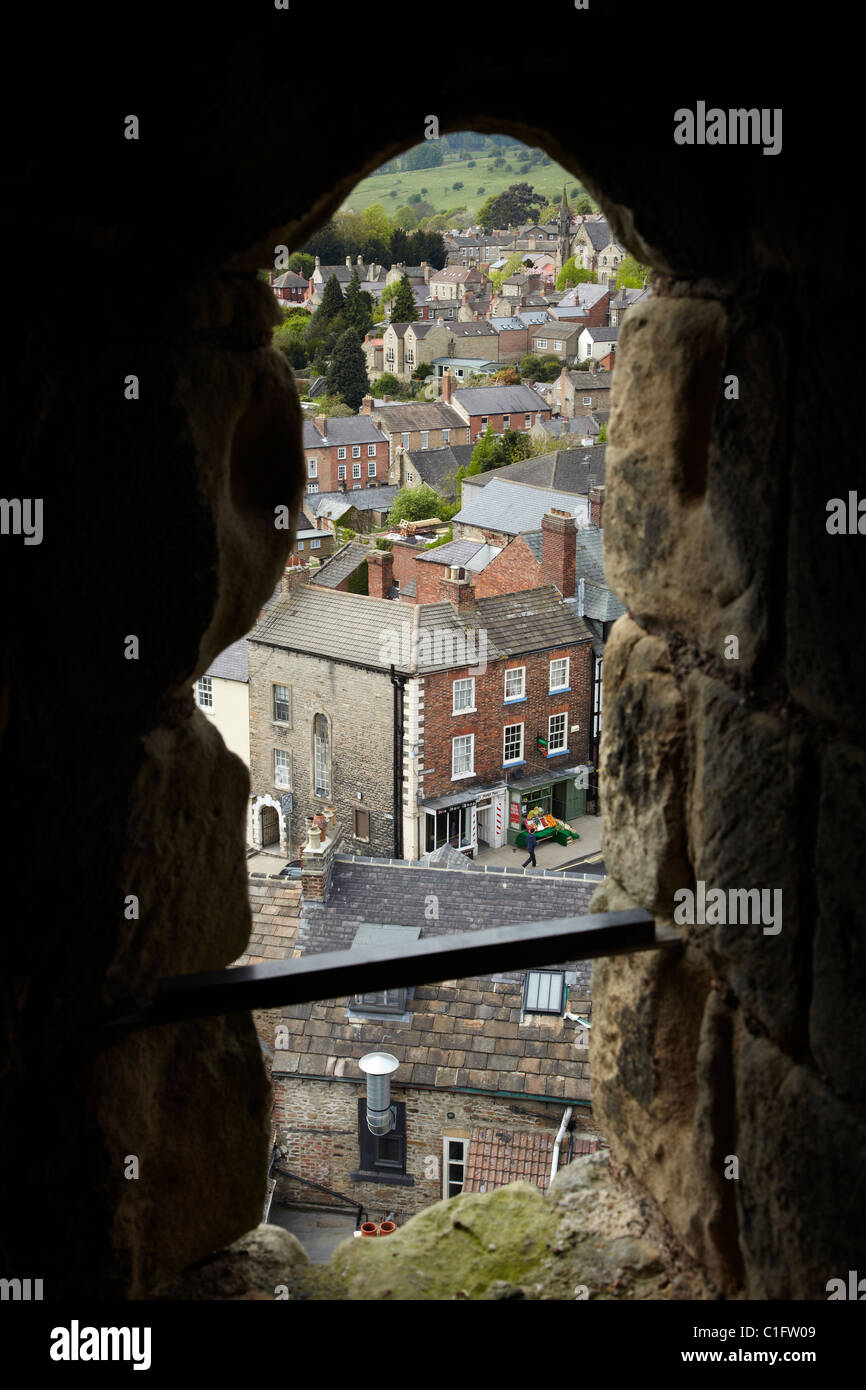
(531, 842)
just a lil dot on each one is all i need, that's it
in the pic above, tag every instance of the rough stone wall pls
(360, 707)
(317, 1128)
(732, 770)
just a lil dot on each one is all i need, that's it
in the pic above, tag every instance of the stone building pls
(490, 1067)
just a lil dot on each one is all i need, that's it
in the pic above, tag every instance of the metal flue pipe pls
(381, 1114)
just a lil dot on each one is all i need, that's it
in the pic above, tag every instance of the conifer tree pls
(347, 374)
(403, 305)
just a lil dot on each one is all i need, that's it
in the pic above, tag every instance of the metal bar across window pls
(340, 974)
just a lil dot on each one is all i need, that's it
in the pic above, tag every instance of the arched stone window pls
(321, 756)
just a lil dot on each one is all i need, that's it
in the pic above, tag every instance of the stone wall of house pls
(317, 1130)
(359, 705)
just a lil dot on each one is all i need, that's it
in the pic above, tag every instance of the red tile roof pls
(497, 1157)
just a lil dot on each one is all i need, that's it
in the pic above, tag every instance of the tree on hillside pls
(403, 305)
(584, 205)
(417, 504)
(376, 222)
(484, 215)
(518, 203)
(573, 273)
(302, 264)
(327, 244)
(290, 337)
(631, 274)
(406, 219)
(426, 156)
(347, 373)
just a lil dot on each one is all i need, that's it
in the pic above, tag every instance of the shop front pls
(465, 820)
(563, 797)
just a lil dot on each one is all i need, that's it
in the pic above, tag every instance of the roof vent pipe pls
(381, 1114)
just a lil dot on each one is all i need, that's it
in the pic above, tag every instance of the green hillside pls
(547, 178)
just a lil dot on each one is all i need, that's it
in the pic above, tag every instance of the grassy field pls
(546, 179)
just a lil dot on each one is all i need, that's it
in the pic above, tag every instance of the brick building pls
(575, 393)
(415, 426)
(490, 1068)
(348, 452)
(498, 408)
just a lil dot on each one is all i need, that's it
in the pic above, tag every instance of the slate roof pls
(565, 470)
(602, 335)
(349, 429)
(341, 564)
(461, 1032)
(454, 553)
(472, 328)
(499, 400)
(357, 628)
(367, 499)
(434, 465)
(231, 665)
(559, 328)
(581, 425)
(422, 415)
(496, 1157)
(590, 381)
(510, 508)
(599, 234)
(453, 274)
(583, 295)
(599, 603)
(289, 280)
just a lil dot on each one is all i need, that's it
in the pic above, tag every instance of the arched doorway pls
(269, 823)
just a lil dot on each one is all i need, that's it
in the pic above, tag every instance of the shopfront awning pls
(544, 779)
(464, 798)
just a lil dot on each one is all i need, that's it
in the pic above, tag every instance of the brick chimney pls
(563, 382)
(447, 387)
(349, 262)
(380, 573)
(293, 576)
(426, 269)
(457, 590)
(321, 423)
(366, 406)
(596, 505)
(558, 545)
(317, 857)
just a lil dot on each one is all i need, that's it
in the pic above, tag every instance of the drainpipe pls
(559, 1138)
(399, 684)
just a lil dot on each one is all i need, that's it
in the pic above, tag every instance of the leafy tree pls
(507, 376)
(373, 248)
(376, 222)
(518, 203)
(631, 274)
(457, 185)
(332, 406)
(386, 385)
(403, 305)
(421, 372)
(405, 218)
(602, 434)
(416, 504)
(573, 273)
(326, 243)
(470, 164)
(347, 374)
(495, 451)
(302, 264)
(515, 260)
(392, 193)
(426, 156)
(290, 338)
(550, 368)
(583, 205)
(481, 189)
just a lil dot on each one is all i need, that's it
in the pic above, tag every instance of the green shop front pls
(562, 796)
